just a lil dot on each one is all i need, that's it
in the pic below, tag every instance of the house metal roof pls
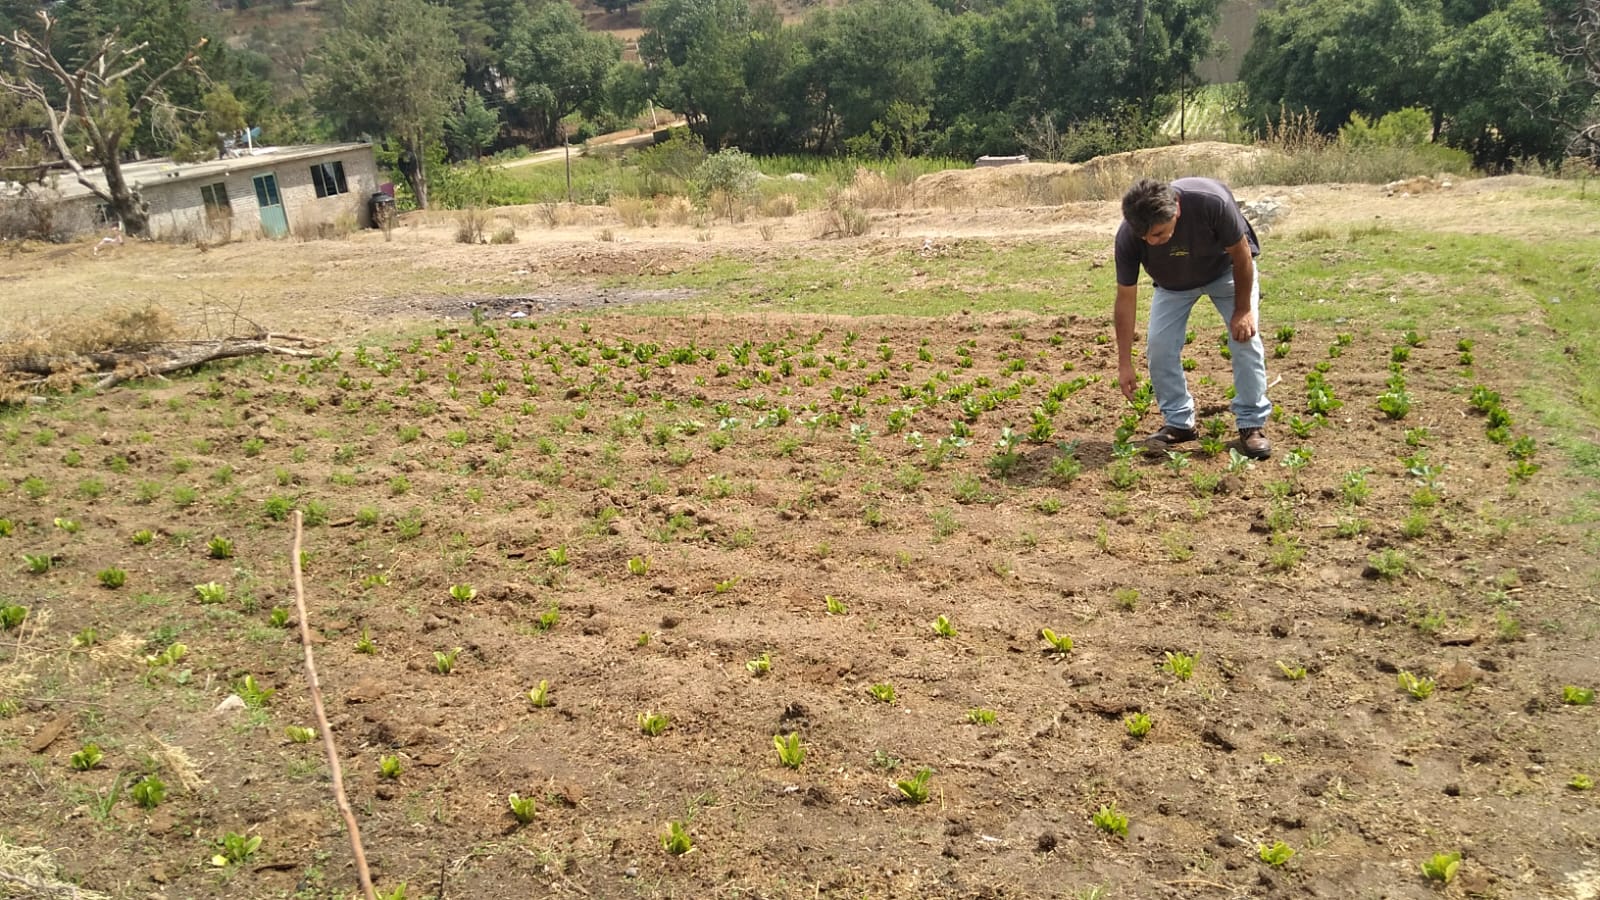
(147, 173)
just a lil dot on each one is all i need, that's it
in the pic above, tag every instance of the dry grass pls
(31, 872)
(631, 210)
(675, 209)
(782, 206)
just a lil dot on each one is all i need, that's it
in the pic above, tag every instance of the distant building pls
(1234, 31)
(261, 192)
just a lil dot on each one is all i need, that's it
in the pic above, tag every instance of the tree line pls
(451, 79)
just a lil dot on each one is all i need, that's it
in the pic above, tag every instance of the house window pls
(215, 198)
(329, 179)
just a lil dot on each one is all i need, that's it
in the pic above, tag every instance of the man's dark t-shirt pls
(1209, 222)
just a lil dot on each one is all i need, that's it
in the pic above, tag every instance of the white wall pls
(177, 211)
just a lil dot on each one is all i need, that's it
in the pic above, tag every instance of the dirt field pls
(650, 516)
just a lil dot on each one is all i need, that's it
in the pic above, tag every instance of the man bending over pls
(1191, 238)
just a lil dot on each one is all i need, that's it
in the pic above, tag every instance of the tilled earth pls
(637, 512)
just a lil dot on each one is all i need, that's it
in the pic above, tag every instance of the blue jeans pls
(1169, 320)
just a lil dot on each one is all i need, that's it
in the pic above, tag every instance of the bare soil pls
(750, 467)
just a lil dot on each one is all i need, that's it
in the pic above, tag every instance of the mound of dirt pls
(1102, 178)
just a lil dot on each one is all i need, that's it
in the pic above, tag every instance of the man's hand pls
(1128, 380)
(1243, 328)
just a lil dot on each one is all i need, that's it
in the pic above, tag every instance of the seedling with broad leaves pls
(1573, 695)
(676, 841)
(1419, 687)
(943, 628)
(149, 791)
(87, 758)
(389, 767)
(299, 734)
(236, 849)
(1293, 673)
(1060, 644)
(759, 666)
(523, 808)
(836, 606)
(444, 661)
(1179, 665)
(915, 788)
(653, 724)
(463, 592)
(1275, 855)
(539, 695)
(211, 592)
(12, 616)
(1138, 725)
(790, 751)
(1442, 867)
(1111, 820)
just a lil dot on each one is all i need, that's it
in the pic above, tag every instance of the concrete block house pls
(273, 192)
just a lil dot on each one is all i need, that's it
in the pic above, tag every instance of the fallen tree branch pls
(339, 797)
(106, 368)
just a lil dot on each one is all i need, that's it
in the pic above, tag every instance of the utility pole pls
(566, 144)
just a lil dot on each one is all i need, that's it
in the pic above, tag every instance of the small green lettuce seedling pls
(1418, 687)
(463, 592)
(299, 734)
(557, 556)
(883, 693)
(445, 662)
(220, 548)
(1179, 665)
(365, 645)
(254, 695)
(981, 716)
(943, 628)
(790, 753)
(1138, 725)
(1060, 644)
(1293, 673)
(1275, 855)
(112, 578)
(836, 606)
(676, 841)
(149, 791)
(37, 563)
(915, 788)
(174, 652)
(143, 536)
(236, 849)
(759, 666)
(1442, 867)
(1111, 821)
(279, 616)
(653, 724)
(522, 808)
(539, 695)
(639, 565)
(389, 767)
(1577, 696)
(87, 758)
(211, 592)
(12, 616)
(1581, 782)
(70, 526)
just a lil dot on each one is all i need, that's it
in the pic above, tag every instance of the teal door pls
(274, 224)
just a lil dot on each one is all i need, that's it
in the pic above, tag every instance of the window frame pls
(328, 178)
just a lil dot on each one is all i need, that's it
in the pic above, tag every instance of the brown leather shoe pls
(1168, 437)
(1254, 444)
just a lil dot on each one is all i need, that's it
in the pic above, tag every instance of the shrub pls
(731, 172)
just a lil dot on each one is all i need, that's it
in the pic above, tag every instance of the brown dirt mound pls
(1103, 178)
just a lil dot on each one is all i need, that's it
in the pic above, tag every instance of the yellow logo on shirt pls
(1178, 251)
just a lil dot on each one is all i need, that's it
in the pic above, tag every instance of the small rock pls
(233, 703)
(630, 872)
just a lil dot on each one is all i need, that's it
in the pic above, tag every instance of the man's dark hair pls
(1148, 204)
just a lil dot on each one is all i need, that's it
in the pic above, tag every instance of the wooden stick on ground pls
(322, 722)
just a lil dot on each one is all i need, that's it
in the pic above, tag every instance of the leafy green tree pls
(471, 127)
(558, 67)
(391, 67)
(625, 92)
(1502, 92)
(1336, 57)
(868, 58)
(695, 51)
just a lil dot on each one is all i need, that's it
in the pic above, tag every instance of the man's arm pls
(1243, 325)
(1122, 319)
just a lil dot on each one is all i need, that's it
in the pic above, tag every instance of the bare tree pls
(1581, 46)
(94, 99)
